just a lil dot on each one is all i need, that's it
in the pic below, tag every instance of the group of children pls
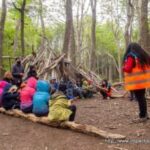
(40, 97)
(45, 98)
(34, 96)
(55, 100)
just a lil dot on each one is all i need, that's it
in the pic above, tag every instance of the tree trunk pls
(128, 27)
(93, 35)
(79, 27)
(22, 27)
(16, 36)
(69, 40)
(2, 26)
(144, 31)
(110, 72)
(42, 24)
(119, 64)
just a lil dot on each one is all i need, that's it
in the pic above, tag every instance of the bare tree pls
(42, 22)
(17, 28)
(144, 31)
(2, 26)
(128, 27)
(79, 27)
(93, 35)
(22, 16)
(69, 40)
(116, 19)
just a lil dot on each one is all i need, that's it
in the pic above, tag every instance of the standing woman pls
(136, 68)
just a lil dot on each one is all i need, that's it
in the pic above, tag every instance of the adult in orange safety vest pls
(136, 68)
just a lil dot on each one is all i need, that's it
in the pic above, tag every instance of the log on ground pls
(82, 128)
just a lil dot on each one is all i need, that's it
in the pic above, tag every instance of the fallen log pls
(119, 95)
(87, 129)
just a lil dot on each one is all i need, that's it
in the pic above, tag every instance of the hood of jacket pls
(43, 86)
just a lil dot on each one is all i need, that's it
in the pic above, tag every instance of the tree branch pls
(17, 8)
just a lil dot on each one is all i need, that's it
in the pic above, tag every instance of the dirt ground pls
(111, 115)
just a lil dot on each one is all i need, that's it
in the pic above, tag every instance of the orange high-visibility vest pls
(139, 78)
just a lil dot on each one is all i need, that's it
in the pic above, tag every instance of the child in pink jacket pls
(31, 82)
(2, 86)
(26, 98)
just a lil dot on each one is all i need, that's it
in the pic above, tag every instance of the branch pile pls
(48, 64)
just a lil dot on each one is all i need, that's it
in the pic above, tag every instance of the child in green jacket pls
(60, 108)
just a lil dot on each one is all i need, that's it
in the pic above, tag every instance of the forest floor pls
(114, 115)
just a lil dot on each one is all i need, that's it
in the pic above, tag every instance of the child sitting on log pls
(26, 97)
(10, 97)
(41, 98)
(2, 86)
(60, 108)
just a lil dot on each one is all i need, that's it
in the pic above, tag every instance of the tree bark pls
(93, 35)
(22, 27)
(22, 15)
(128, 27)
(16, 36)
(42, 23)
(2, 26)
(79, 27)
(144, 31)
(110, 72)
(116, 30)
(69, 40)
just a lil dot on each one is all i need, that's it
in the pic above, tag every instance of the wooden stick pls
(52, 65)
(118, 84)
(87, 129)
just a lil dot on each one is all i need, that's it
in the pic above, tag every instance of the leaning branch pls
(17, 8)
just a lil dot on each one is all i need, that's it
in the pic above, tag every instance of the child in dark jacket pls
(10, 97)
(106, 89)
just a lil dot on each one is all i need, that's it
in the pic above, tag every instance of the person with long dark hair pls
(136, 68)
(32, 72)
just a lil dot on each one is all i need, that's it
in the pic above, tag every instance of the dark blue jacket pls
(9, 99)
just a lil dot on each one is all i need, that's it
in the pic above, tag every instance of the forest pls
(79, 67)
(92, 33)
